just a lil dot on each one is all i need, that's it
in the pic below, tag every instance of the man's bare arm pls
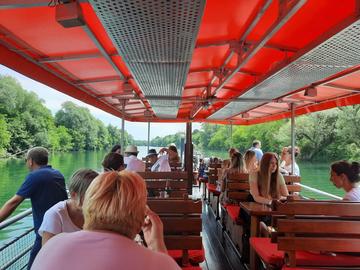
(10, 206)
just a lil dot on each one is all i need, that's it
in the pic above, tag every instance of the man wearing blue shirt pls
(256, 147)
(44, 186)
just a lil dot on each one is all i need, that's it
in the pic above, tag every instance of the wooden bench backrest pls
(215, 165)
(290, 181)
(177, 182)
(182, 223)
(237, 186)
(317, 226)
(164, 175)
(176, 166)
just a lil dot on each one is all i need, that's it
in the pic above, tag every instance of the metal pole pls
(148, 144)
(231, 134)
(189, 156)
(123, 128)
(292, 107)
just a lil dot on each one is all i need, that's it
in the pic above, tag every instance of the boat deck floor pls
(219, 254)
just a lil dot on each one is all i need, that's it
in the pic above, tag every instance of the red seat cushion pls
(299, 268)
(269, 253)
(212, 189)
(233, 211)
(191, 268)
(316, 259)
(195, 256)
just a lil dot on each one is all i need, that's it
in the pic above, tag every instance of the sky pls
(53, 100)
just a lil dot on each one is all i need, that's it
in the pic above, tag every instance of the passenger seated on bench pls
(268, 184)
(345, 175)
(286, 163)
(114, 210)
(250, 162)
(113, 162)
(167, 156)
(67, 216)
(236, 166)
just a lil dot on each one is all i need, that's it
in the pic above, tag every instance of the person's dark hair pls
(113, 162)
(255, 143)
(39, 155)
(115, 148)
(351, 170)
(80, 181)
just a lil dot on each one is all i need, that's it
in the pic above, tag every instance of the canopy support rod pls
(93, 38)
(282, 20)
(292, 107)
(231, 134)
(123, 128)
(273, 30)
(196, 99)
(148, 141)
(189, 156)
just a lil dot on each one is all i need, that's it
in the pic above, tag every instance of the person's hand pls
(153, 232)
(163, 150)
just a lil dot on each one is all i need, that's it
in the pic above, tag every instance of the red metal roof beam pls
(283, 18)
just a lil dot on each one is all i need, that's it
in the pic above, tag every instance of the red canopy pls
(225, 61)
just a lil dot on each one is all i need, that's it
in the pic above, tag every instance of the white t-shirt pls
(287, 168)
(94, 250)
(162, 164)
(134, 164)
(57, 220)
(353, 195)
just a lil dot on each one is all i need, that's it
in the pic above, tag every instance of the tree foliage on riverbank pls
(25, 122)
(327, 135)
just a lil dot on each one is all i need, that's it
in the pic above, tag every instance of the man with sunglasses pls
(44, 186)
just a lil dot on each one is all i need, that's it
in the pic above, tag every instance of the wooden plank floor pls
(215, 255)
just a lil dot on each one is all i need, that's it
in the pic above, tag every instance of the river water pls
(13, 172)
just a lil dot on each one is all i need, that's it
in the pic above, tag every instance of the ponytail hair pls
(351, 170)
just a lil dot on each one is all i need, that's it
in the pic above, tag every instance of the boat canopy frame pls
(172, 61)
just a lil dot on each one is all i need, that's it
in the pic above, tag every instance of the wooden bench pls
(291, 181)
(175, 166)
(182, 228)
(175, 183)
(213, 177)
(236, 190)
(306, 229)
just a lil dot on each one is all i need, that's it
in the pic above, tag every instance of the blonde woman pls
(236, 166)
(286, 164)
(250, 161)
(114, 210)
(67, 216)
(268, 184)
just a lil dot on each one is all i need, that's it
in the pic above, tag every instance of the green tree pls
(4, 135)
(348, 132)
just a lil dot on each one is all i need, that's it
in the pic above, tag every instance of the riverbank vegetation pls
(327, 135)
(25, 122)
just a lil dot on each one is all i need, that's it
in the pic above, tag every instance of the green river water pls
(13, 172)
